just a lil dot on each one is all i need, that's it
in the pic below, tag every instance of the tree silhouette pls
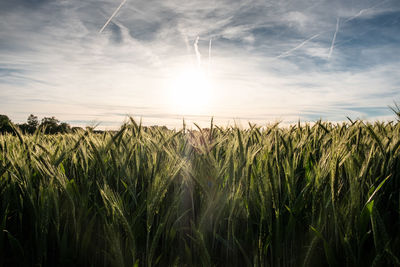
(5, 124)
(30, 126)
(50, 125)
(32, 123)
(64, 128)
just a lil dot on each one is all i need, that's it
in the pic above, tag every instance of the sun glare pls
(191, 90)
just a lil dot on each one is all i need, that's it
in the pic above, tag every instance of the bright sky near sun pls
(90, 61)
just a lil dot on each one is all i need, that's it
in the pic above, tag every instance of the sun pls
(191, 91)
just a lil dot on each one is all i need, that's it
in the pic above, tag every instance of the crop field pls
(302, 195)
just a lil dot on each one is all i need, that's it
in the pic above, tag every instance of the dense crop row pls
(302, 195)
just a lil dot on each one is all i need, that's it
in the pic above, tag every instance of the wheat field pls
(304, 195)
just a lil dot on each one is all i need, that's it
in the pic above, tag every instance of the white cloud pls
(297, 19)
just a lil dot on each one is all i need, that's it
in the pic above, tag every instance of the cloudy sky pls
(235, 60)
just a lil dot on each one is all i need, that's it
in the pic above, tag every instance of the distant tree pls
(30, 126)
(64, 128)
(32, 123)
(24, 128)
(50, 125)
(5, 124)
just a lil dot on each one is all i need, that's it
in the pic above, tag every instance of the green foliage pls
(32, 123)
(305, 195)
(50, 125)
(5, 124)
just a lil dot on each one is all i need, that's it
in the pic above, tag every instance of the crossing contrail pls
(334, 38)
(112, 16)
(287, 53)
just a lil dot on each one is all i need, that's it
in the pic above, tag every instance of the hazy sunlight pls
(191, 91)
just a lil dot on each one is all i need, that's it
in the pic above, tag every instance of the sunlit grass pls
(326, 194)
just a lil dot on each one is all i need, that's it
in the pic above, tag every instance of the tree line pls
(50, 125)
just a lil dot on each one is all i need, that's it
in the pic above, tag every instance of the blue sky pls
(250, 60)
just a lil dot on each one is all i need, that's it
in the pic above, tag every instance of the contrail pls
(112, 16)
(363, 10)
(334, 38)
(357, 15)
(209, 51)
(209, 55)
(287, 53)
(196, 49)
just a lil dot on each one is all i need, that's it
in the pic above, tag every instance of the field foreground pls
(327, 194)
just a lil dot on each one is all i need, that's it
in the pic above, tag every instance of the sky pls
(95, 62)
